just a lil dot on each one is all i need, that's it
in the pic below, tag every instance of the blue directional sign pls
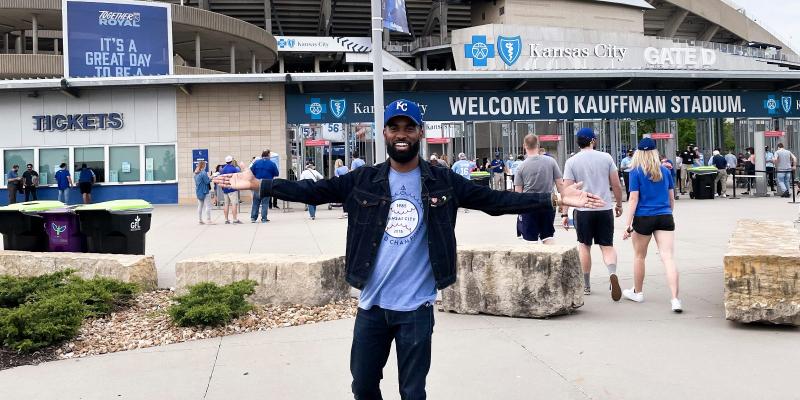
(115, 39)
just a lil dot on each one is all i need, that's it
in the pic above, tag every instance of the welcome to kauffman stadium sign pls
(480, 106)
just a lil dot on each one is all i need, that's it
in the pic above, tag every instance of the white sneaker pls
(676, 305)
(631, 295)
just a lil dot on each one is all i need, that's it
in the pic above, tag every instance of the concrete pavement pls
(606, 350)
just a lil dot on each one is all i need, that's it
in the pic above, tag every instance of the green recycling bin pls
(480, 178)
(703, 182)
(116, 227)
(23, 228)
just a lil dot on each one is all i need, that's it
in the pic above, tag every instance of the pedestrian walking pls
(339, 171)
(311, 173)
(722, 173)
(401, 244)
(63, 182)
(86, 180)
(202, 188)
(537, 174)
(219, 195)
(649, 215)
(463, 166)
(769, 162)
(625, 166)
(30, 181)
(731, 161)
(263, 168)
(679, 171)
(13, 183)
(785, 163)
(750, 168)
(231, 196)
(356, 162)
(497, 168)
(598, 172)
(688, 157)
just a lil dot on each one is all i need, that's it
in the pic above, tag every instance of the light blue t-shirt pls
(463, 168)
(356, 163)
(402, 279)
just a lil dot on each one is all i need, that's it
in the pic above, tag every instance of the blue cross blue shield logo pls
(338, 107)
(786, 102)
(509, 49)
(479, 51)
(315, 108)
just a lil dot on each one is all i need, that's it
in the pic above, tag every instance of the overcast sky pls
(778, 16)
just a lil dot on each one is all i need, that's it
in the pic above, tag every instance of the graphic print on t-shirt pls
(404, 218)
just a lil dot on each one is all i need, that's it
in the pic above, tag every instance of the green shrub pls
(15, 290)
(36, 312)
(38, 324)
(208, 304)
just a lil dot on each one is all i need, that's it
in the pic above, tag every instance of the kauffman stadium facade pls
(142, 90)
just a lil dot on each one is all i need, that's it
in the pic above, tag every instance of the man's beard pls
(403, 156)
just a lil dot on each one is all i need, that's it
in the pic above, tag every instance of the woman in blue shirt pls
(649, 215)
(202, 188)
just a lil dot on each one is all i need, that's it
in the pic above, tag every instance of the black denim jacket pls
(365, 195)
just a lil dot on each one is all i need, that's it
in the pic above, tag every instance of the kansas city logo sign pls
(509, 49)
(338, 107)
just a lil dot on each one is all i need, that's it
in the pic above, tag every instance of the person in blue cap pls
(401, 244)
(598, 172)
(649, 215)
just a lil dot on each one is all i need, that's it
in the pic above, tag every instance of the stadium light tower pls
(377, 79)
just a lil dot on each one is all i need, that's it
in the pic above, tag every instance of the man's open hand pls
(573, 196)
(239, 181)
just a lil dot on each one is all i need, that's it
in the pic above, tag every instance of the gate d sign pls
(687, 57)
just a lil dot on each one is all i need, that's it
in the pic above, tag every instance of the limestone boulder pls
(762, 273)
(137, 269)
(283, 279)
(534, 281)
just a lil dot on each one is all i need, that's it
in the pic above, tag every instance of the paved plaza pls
(606, 350)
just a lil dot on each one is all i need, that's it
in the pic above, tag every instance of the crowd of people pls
(27, 183)
(229, 199)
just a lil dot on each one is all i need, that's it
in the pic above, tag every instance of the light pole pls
(377, 79)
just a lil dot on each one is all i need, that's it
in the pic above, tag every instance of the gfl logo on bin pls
(135, 224)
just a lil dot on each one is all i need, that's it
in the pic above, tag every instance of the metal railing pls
(418, 43)
(770, 53)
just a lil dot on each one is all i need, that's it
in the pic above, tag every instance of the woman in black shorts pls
(649, 214)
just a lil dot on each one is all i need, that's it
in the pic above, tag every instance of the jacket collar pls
(383, 171)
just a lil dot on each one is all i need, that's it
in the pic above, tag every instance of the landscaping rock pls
(283, 279)
(123, 267)
(517, 281)
(762, 273)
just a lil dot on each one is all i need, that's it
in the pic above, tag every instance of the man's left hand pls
(573, 196)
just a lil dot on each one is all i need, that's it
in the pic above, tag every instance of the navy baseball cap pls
(587, 133)
(647, 144)
(403, 108)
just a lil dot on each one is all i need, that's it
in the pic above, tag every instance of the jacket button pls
(364, 202)
(366, 264)
(374, 244)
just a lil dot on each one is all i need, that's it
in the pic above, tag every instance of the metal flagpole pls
(377, 79)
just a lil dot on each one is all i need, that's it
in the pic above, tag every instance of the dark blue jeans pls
(262, 202)
(374, 331)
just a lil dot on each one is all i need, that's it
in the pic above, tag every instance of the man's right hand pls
(240, 181)
(565, 223)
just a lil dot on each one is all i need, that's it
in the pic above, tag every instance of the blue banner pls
(487, 106)
(394, 16)
(197, 156)
(114, 39)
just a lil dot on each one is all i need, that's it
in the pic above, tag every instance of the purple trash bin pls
(63, 231)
